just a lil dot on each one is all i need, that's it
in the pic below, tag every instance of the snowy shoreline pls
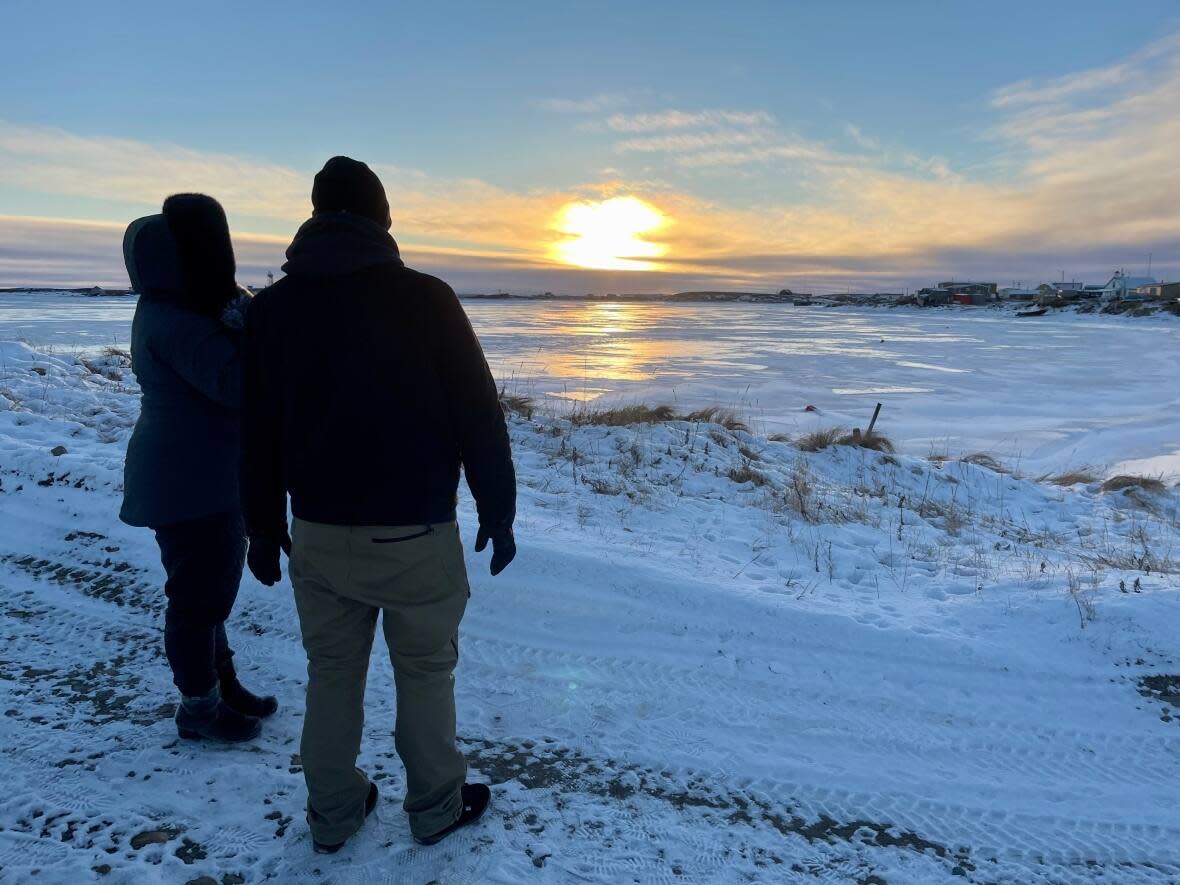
(717, 659)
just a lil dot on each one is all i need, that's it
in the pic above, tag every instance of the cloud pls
(673, 119)
(865, 141)
(1068, 87)
(438, 212)
(595, 104)
(126, 171)
(714, 138)
(66, 252)
(795, 151)
(687, 142)
(1089, 168)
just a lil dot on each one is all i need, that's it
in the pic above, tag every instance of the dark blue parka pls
(182, 460)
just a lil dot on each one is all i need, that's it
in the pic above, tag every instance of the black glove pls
(263, 557)
(503, 546)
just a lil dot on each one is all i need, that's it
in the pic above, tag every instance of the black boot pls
(476, 799)
(242, 699)
(211, 718)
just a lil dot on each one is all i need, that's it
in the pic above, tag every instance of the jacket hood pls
(152, 259)
(337, 243)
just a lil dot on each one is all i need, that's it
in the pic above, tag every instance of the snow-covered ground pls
(716, 659)
(1045, 394)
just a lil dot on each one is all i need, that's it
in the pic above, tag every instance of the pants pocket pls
(398, 539)
(450, 556)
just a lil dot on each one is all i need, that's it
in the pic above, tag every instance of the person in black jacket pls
(181, 472)
(365, 390)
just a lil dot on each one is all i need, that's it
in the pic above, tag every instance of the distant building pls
(967, 287)
(1125, 288)
(933, 297)
(1160, 291)
(1067, 291)
(1018, 293)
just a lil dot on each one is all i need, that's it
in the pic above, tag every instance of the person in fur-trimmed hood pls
(365, 390)
(181, 473)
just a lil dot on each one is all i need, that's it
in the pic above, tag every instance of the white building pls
(1121, 287)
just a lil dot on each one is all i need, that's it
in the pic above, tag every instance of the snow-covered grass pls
(718, 658)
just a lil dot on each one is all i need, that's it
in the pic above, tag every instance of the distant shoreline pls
(1137, 308)
(884, 300)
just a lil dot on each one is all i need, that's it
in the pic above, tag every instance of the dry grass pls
(622, 416)
(874, 441)
(799, 493)
(727, 418)
(1125, 482)
(986, 461)
(520, 405)
(745, 473)
(818, 440)
(642, 414)
(1083, 476)
(779, 437)
(601, 486)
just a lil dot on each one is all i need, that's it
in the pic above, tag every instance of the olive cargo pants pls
(414, 576)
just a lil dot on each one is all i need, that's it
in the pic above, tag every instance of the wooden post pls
(873, 423)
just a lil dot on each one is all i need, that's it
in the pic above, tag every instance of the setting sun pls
(607, 235)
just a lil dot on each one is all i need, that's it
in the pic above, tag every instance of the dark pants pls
(203, 559)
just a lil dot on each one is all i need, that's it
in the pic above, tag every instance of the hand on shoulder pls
(233, 315)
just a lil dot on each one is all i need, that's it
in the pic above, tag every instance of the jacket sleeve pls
(206, 355)
(476, 413)
(260, 481)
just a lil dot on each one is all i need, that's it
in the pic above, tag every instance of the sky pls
(610, 147)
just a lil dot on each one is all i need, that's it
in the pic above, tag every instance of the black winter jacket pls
(182, 460)
(364, 390)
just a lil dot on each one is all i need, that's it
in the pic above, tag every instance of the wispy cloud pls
(594, 104)
(863, 140)
(686, 142)
(66, 252)
(783, 151)
(1069, 87)
(436, 212)
(674, 119)
(127, 171)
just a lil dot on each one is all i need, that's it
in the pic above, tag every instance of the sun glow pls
(607, 235)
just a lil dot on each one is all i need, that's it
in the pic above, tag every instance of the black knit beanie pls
(348, 185)
(206, 253)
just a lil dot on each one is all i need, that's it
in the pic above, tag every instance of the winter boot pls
(370, 804)
(476, 799)
(242, 699)
(211, 718)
